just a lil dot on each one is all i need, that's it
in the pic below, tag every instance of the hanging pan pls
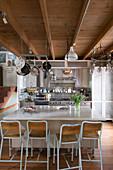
(34, 70)
(46, 67)
(26, 68)
(20, 73)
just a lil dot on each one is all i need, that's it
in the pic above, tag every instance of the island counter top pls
(55, 113)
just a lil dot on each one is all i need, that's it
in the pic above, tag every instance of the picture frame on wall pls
(11, 56)
(13, 63)
(2, 57)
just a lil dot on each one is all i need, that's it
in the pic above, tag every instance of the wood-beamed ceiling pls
(37, 24)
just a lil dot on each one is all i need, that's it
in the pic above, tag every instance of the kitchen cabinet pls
(102, 93)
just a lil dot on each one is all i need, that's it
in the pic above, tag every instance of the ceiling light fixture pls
(71, 55)
(4, 18)
(67, 71)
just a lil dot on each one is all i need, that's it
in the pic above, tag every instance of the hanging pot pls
(20, 73)
(46, 65)
(34, 71)
(26, 69)
(45, 74)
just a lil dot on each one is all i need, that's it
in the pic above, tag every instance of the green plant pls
(77, 99)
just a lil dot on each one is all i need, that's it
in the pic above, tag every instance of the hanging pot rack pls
(35, 70)
(33, 55)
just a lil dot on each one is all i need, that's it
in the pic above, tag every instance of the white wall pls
(9, 77)
(9, 73)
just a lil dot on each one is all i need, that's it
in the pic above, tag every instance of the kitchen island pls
(55, 116)
(55, 113)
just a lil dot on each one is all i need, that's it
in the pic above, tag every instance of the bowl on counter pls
(29, 109)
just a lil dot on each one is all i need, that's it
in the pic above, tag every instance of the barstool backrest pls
(11, 126)
(70, 129)
(37, 126)
(91, 127)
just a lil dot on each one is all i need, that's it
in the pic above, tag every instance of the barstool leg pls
(100, 154)
(26, 153)
(10, 148)
(54, 150)
(31, 148)
(1, 147)
(80, 161)
(94, 149)
(76, 149)
(72, 154)
(48, 154)
(49, 143)
(57, 155)
(21, 153)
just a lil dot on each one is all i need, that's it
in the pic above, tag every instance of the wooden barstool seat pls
(69, 134)
(12, 130)
(37, 130)
(92, 131)
(13, 134)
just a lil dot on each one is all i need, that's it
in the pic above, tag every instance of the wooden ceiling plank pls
(100, 37)
(80, 20)
(5, 7)
(47, 26)
(8, 46)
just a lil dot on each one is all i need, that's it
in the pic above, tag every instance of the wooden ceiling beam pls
(7, 45)
(47, 26)
(80, 20)
(11, 19)
(100, 37)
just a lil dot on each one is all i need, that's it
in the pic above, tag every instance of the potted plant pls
(77, 99)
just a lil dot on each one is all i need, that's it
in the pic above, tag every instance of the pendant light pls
(67, 71)
(71, 55)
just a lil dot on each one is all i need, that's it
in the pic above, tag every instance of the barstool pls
(69, 134)
(11, 130)
(37, 130)
(92, 131)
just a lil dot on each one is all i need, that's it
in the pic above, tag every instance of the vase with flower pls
(77, 99)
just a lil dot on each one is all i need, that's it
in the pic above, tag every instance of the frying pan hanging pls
(26, 69)
(46, 65)
(34, 70)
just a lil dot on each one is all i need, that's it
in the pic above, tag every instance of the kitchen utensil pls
(46, 65)
(20, 62)
(34, 70)
(26, 69)
(45, 74)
